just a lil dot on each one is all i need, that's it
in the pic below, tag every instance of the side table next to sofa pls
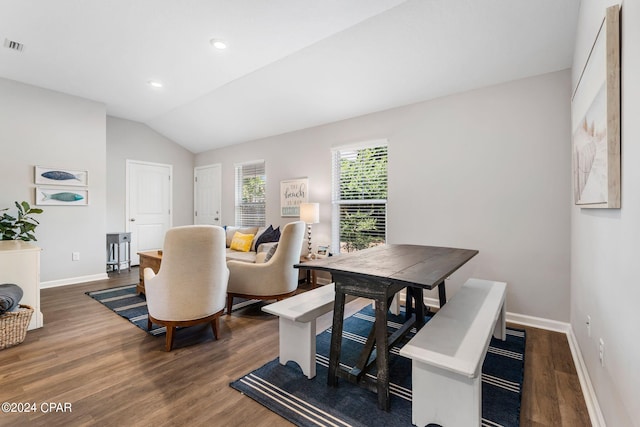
(151, 259)
(114, 252)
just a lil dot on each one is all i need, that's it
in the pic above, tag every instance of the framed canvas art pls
(58, 176)
(595, 116)
(292, 193)
(62, 196)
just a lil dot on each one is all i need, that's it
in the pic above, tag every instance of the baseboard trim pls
(73, 280)
(590, 398)
(538, 322)
(520, 319)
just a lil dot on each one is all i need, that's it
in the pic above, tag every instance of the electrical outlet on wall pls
(75, 256)
(601, 352)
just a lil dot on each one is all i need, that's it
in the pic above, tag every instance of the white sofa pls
(254, 254)
(274, 279)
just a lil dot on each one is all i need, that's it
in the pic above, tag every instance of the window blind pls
(359, 196)
(250, 194)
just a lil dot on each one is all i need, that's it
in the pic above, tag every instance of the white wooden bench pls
(298, 316)
(448, 352)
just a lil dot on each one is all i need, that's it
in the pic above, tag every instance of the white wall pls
(51, 129)
(487, 169)
(604, 242)
(128, 140)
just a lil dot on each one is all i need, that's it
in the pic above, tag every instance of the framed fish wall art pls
(53, 176)
(61, 196)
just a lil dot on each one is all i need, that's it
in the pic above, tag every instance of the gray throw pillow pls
(272, 251)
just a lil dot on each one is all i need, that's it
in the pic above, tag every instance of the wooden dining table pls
(379, 273)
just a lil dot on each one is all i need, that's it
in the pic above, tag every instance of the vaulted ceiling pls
(289, 64)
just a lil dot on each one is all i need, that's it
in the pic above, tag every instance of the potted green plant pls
(22, 227)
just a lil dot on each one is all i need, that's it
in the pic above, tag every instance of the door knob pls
(132, 220)
(216, 219)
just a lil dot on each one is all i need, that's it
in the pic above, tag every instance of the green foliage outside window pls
(356, 231)
(253, 189)
(363, 176)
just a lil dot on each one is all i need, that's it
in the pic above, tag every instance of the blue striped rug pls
(287, 392)
(125, 302)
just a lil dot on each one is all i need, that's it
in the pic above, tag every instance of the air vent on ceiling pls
(13, 45)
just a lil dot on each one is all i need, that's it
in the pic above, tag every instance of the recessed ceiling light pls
(218, 44)
(155, 83)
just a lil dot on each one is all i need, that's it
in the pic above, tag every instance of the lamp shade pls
(310, 213)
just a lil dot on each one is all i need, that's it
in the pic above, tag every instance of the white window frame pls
(335, 188)
(242, 170)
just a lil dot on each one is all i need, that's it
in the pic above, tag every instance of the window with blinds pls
(359, 197)
(250, 194)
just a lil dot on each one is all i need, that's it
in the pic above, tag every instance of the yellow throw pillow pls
(241, 242)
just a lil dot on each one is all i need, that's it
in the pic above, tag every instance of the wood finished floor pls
(113, 373)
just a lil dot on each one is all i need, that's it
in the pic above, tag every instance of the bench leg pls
(298, 344)
(444, 398)
(394, 307)
(500, 330)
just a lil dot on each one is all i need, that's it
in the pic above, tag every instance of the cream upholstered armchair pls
(274, 279)
(191, 285)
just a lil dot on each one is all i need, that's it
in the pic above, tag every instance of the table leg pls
(311, 278)
(418, 295)
(382, 353)
(382, 293)
(442, 294)
(336, 338)
(128, 251)
(118, 255)
(408, 303)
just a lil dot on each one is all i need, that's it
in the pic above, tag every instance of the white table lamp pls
(310, 213)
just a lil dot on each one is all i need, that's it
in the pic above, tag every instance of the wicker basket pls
(13, 326)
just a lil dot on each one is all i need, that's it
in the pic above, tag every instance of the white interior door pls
(148, 205)
(207, 195)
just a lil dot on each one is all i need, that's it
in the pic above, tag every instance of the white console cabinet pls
(20, 264)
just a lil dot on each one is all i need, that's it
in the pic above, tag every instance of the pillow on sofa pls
(263, 237)
(269, 235)
(272, 251)
(241, 242)
(259, 233)
(10, 296)
(231, 230)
